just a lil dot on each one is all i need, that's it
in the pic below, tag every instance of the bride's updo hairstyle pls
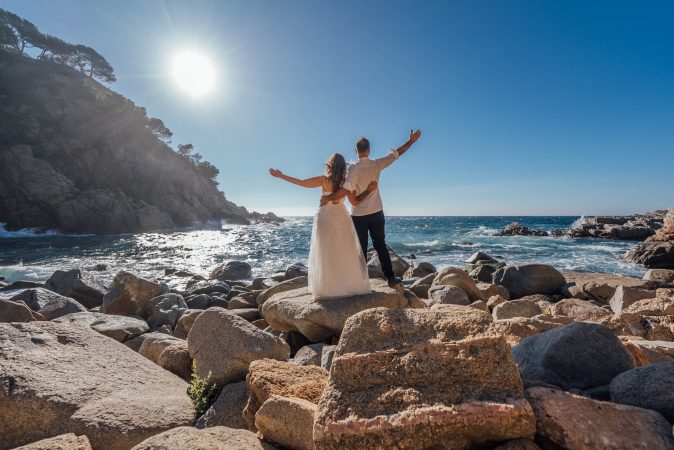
(335, 170)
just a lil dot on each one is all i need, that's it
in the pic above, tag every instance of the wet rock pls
(529, 279)
(130, 295)
(231, 270)
(85, 287)
(650, 387)
(214, 438)
(287, 421)
(71, 379)
(119, 328)
(296, 270)
(577, 356)
(420, 270)
(297, 310)
(225, 344)
(228, 408)
(403, 378)
(268, 377)
(516, 308)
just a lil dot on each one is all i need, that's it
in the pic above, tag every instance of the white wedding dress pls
(336, 264)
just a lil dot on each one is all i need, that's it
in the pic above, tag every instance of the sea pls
(442, 241)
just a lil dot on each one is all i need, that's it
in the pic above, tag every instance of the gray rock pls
(166, 309)
(70, 379)
(650, 387)
(119, 328)
(199, 301)
(209, 287)
(479, 256)
(447, 295)
(85, 287)
(296, 270)
(528, 279)
(309, 355)
(420, 270)
(61, 306)
(130, 295)
(577, 356)
(228, 408)
(231, 270)
(421, 286)
(225, 344)
(35, 298)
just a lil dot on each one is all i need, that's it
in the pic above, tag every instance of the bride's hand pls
(275, 173)
(372, 186)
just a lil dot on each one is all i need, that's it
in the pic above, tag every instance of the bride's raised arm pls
(312, 182)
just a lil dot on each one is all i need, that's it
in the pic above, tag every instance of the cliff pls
(78, 157)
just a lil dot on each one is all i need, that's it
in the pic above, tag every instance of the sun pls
(193, 72)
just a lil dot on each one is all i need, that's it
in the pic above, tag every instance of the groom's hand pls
(414, 135)
(324, 200)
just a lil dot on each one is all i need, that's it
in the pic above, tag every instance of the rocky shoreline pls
(491, 355)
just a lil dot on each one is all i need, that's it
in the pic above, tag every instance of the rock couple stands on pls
(503, 357)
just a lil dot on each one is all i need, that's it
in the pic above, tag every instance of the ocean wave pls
(482, 231)
(422, 244)
(578, 222)
(24, 232)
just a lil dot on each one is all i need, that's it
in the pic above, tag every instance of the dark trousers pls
(374, 224)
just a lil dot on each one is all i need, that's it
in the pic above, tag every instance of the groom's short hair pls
(363, 145)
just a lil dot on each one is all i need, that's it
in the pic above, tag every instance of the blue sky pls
(527, 107)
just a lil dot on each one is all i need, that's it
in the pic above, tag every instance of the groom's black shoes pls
(394, 281)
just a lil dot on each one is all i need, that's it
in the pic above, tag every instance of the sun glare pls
(193, 72)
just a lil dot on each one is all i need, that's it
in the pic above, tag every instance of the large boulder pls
(11, 311)
(399, 265)
(60, 378)
(660, 276)
(287, 421)
(224, 344)
(317, 320)
(231, 270)
(60, 306)
(38, 298)
(570, 421)
(420, 270)
(624, 296)
(130, 295)
(421, 378)
(227, 410)
(268, 377)
(86, 287)
(580, 355)
(529, 279)
(119, 328)
(650, 387)
(657, 252)
(451, 276)
(598, 286)
(288, 285)
(215, 438)
(68, 441)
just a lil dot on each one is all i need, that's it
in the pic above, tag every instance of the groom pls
(368, 216)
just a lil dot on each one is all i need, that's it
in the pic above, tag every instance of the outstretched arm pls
(313, 182)
(414, 136)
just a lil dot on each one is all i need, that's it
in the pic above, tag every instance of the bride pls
(336, 263)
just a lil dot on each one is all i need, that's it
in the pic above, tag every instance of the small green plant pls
(202, 391)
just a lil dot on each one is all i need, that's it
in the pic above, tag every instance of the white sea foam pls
(24, 232)
(422, 244)
(578, 222)
(482, 231)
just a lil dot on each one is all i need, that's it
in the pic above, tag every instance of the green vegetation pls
(202, 391)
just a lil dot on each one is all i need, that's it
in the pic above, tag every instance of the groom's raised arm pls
(397, 153)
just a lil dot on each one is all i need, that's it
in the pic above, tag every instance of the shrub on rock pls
(577, 356)
(225, 344)
(421, 378)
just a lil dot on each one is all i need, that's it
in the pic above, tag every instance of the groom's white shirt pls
(360, 175)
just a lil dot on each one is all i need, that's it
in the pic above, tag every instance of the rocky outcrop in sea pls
(91, 359)
(77, 157)
(658, 250)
